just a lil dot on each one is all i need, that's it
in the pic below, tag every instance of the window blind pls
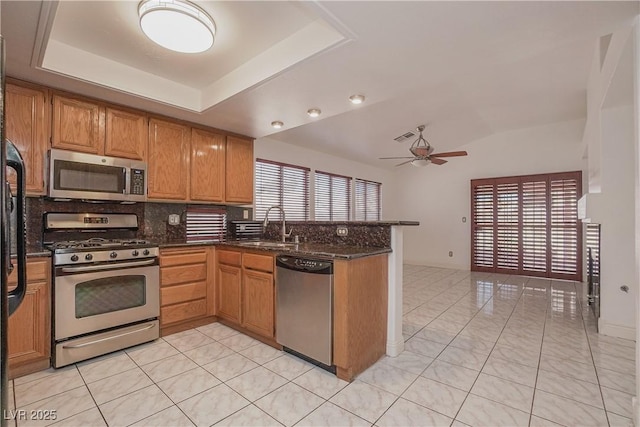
(333, 197)
(206, 223)
(284, 185)
(527, 225)
(367, 200)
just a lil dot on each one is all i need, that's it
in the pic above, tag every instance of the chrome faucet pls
(284, 227)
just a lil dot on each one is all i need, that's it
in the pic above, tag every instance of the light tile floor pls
(481, 350)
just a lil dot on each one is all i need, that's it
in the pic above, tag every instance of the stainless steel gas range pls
(106, 292)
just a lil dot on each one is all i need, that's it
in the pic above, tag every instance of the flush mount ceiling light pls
(314, 112)
(356, 99)
(277, 124)
(177, 25)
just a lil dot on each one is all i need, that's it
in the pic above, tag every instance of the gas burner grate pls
(97, 242)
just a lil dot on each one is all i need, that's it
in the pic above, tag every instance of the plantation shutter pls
(333, 197)
(367, 200)
(534, 227)
(206, 223)
(565, 225)
(527, 225)
(592, 242)
(284, 185)
(482, 206)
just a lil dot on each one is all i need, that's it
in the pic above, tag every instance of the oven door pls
(93, 298)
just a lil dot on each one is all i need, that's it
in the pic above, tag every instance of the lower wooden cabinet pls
(29, 327)
(186, 285)
(246, 290)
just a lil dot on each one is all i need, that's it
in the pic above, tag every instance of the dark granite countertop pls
(302, 249)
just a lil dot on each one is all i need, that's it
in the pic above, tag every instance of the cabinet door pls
(228, 279)
(239, 175)
(168, 166)
(29, 327)
(26, 121)
(77, 125)
(207, 166)
(126, 135)
(258, 302)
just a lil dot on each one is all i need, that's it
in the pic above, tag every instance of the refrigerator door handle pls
(14, 161)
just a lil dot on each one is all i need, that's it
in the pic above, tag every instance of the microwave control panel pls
(137, 181)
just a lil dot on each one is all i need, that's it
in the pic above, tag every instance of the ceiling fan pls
(423, 153)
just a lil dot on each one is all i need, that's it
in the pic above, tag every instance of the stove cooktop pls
(99, 243)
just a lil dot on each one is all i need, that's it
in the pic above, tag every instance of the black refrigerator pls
(13, 235)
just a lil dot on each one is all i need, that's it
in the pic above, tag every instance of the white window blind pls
(527, 225)
(284, 185)
(367, 200)
(333, 197)
(206, 223)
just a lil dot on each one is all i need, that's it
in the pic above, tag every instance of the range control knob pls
(113, 255)
(74, 258)
(145, 252)
(135, 252)
(88, 257)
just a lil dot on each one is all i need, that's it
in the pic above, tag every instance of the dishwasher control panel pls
(305, 264)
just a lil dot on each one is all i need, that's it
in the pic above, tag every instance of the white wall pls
(270, 149)
(439, 196)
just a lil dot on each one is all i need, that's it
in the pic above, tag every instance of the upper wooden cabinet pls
(88, 127)
(26, 113)
(207, 166)
(168, 167)
(77, 125)
(127, 135)
(239, 176)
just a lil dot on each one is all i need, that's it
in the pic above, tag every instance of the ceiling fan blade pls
(386, 158)
(450, 154)
(437, 161)
(404, 163)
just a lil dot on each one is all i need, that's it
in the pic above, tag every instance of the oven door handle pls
(87, 344)
(107, 266)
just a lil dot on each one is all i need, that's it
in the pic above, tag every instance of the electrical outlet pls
(450, 254)
(342, 231)
(245, 214)
(174, 219)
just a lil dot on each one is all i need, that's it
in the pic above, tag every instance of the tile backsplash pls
(153, 219)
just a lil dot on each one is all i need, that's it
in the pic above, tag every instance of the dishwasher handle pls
(313, 266)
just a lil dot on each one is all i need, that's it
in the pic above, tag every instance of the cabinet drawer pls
(36, 271)
(258, 262)
(229, 257)
(182, 274)
(181, 293)
(180, 258)
(184, 311)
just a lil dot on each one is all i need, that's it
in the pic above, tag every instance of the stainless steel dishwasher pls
(304, 308)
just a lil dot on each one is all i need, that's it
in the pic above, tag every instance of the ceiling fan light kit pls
(422, 152)
(177, 25)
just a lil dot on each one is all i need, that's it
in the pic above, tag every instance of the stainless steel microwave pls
(89, 177)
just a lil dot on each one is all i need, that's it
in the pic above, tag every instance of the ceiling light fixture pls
(314, 112)
(277, 124)
(356, 99)
(419, 162)
(177, 25)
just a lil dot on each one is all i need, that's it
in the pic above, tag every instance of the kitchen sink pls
(267, 244)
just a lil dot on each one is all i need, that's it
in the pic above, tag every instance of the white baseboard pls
(619, 331)
(453, 266)
(395, 348)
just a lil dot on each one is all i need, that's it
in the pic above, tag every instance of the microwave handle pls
(126, 189)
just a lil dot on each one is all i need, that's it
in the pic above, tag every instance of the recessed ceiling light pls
(177, 25)
(314, 112)
(277, 124)
(356, 99)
